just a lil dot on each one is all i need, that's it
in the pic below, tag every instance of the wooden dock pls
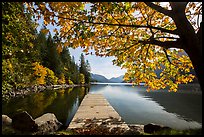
(95, 108)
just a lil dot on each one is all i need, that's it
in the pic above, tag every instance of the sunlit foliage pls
(18, 33)
(81, 78)
(70, 82)
(50, 78)
(39, 72)
(61, 79)
(142, 36)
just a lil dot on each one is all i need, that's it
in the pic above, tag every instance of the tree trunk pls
(191, 42)
(196, 60)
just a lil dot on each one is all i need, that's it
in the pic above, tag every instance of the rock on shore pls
(47, 123)
(6, 120)
(23, 123)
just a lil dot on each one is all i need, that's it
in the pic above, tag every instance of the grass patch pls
(8, 130)
(179, 132)
(64, 132)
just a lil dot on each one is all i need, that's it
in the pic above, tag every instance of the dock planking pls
(96, 107)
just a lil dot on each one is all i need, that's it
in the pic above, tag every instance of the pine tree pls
(74, 71)
(40, 46)
(84, 68)
(53, 58)
(88, 74)
(66, 61)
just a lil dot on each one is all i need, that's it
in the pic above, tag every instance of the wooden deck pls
(95, 107)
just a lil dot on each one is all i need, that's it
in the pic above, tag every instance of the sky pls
(99, 65)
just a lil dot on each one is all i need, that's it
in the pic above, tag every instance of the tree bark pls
(196, 60)
(191, 42)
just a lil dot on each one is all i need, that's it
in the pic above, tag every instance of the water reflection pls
(63, 103)
(179, 110)
(135, 105)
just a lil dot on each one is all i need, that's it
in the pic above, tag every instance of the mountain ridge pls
(103, 79)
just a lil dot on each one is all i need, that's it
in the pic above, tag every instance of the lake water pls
(180, 110)
(62, 102)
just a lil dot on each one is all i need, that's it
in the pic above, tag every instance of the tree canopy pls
(18, 34)
(158, 43)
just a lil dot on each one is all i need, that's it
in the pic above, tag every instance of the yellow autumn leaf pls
(55, 30)
(45, 22)
(59, 48)
(45, 31)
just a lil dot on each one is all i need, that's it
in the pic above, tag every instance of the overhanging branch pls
(167, 56)
(159, 9)
(165, 44)
(124, 25)
(147, 52)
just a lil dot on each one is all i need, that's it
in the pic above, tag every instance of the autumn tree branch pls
(146, 56)
(69, 30)
(124, 25)
(159, 9)
(166, 37)
(178, 7)
(167, 56)
(165, 44)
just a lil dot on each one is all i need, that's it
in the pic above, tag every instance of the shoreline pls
(40, 88)
(36, 89)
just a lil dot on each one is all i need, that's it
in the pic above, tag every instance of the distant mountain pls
(117, 79)
(99, 78)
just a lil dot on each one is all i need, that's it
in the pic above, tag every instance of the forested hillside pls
(33, 58)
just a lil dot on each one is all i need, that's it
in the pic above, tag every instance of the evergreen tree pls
(84, 68)
(55, 63)
(88, 72)
(66, 61)
(40, 46)
(74, 71)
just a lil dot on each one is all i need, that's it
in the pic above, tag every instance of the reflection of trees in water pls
(37, 104)
(61, 91)
(65, 106)
(80, 92)
(41, 102)
(62, 102)
(13, 105)
(68, 90)
(34, 104)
